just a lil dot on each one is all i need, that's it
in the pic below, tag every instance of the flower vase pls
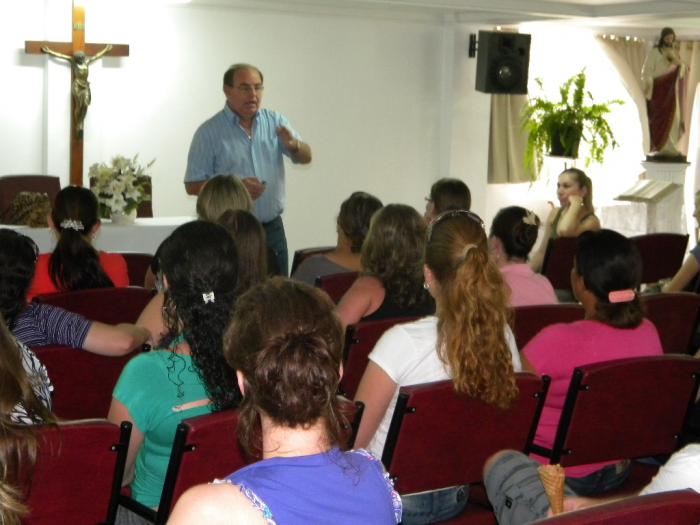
(123, 219)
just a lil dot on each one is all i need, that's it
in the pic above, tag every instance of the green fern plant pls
(557, 127)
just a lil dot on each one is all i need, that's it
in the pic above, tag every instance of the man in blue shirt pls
(248, 142)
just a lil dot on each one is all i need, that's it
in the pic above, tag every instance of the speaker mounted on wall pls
(502, 62)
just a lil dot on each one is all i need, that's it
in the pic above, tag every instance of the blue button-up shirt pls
(221, 146)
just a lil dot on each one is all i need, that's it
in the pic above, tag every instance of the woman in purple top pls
(288, 370)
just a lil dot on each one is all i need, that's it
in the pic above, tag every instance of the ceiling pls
(642, 17)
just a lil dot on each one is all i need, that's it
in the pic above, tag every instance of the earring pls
(426, 286)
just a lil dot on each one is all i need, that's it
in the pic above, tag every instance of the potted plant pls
(558, 127)
(120, 187)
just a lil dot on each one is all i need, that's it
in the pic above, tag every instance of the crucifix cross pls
(79, 55)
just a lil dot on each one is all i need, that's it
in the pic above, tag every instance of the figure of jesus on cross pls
(79, 55)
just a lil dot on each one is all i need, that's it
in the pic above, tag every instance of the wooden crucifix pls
(80, 55)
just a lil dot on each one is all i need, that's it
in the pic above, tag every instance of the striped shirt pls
(44, 324)
(221, 146)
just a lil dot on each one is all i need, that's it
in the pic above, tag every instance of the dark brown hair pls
(355, 214)
(450, 194)
(517, 230)
(249, 238)
(287, 342)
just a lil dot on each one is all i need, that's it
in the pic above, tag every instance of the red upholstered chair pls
(359, 342)
(83, 382)
(205, 448)
(679, 507)
(78, 473)
(300, 255)
(438, 438)
(137, 265)
(675, 316)
(335, 285)
(11, 185)
(529, 320)
(626, 408)
(107, 305)
(558, 261)
(662, 254)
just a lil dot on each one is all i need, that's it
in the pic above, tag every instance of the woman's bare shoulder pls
(215, 504)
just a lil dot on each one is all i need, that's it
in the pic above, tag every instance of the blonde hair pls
(472, 309)
(222, 193)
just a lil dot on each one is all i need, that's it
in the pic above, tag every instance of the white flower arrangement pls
(121, 186)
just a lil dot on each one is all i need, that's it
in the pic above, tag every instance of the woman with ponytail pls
(186, 375)
(288, 369)
(74, 263)
(468, 341)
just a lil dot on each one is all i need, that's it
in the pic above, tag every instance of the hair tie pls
(208, 297)
(72, 224)
(621, 296)
(530, 218)
(465, 252)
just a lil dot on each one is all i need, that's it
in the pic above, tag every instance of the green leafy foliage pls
(559, 126)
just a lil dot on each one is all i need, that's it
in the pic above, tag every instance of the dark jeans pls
(277, 242)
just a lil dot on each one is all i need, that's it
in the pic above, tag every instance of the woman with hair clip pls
(513, 234)
(607, 270)
(390, 284)
(352, 226)
(186, 375)
(74, 263)
(288, 370)
(575, 214)
(25, 400)
(468, 341)
(38, 324)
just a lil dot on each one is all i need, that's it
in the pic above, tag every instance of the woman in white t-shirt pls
(468, 341)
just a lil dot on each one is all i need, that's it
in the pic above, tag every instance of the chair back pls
(359, 341)
(336, 284)
(625, 408)
(205, 448)
(558, 262)
(11, 185)
(675, 316)
(528, 321)
(662, 254)
(83, 382)
(438, 438)
(78, 473)
(137, 264)
(680, 507)
(304, 253)
(106, 305)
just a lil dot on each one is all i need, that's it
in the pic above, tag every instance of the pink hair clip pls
(621, 296)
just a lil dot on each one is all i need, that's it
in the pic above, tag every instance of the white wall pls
(366, 92)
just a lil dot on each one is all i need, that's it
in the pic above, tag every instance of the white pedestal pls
(667, 215)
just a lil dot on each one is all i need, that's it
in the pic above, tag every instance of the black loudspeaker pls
(502, 62)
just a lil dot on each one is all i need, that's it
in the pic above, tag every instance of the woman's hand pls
(575, 201)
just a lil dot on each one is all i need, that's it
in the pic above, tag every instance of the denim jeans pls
(603, 480)
(436, 505)
(277, 242)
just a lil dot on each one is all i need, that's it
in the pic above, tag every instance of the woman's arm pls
(220, 504)
(114, 340)
(690, 269)
(152, 319)
(376, 390)
(537, 258)
(362, 298)
(570, 224)
(118, 413)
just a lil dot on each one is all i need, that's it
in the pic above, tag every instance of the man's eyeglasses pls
(248, 89)
(454, 213)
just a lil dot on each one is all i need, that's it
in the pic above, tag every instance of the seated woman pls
(74, 263)
(25, 400)
(36, 324)
(391, 282)
(575, 214)
(352, 226)
(607, 270)
(513, 234)
(188, 375)
(469, 341)
(288, 370)
(691, 266)
(249, 237)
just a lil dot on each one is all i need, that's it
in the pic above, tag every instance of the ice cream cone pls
(552, 477)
